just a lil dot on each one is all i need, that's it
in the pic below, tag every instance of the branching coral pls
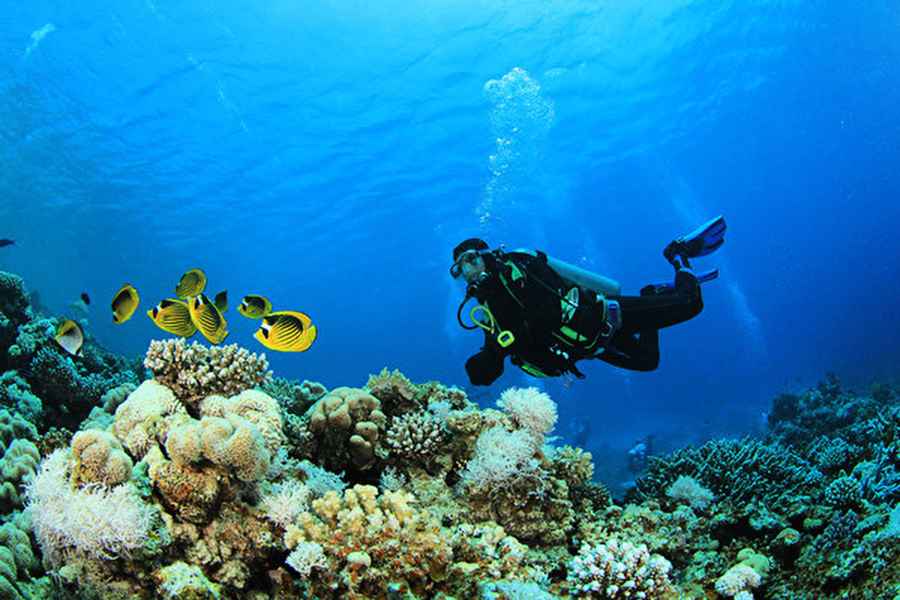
(617, 569)
(194, 371)
(369, 541)
(14, 298)
(415, 436)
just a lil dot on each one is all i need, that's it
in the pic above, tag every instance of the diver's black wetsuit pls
(635, 345)
(530, 307)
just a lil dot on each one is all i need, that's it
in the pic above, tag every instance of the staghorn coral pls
(194, 371)
(99, 459)
(347, 425)
(844, 492)
(736, 472)
(617, 569)
(370, 540)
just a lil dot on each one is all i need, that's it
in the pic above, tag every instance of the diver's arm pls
(486, 366)
(639, 353)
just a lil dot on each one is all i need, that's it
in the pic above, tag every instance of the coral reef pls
(194, 371)
(215, 480)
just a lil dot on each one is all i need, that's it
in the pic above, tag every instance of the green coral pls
(180, 581)
(17, 468)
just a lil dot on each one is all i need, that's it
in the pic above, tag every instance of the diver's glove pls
(484, 367)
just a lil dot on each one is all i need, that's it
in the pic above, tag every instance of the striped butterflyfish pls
(254, 306)
(221, 301)
(208, 319)
(124, 303)
(70, 337)
(173, 316)
(192, 284)
(286, 331)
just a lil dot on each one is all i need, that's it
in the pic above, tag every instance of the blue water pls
(330, 154)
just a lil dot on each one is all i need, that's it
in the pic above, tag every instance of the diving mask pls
(469, 257)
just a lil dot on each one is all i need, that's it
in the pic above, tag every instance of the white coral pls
(285, 502)
(617, 569)
(737, 579)
(96, 521)
(500, 457)
(305, 557)
(691, 492)
(530, 409)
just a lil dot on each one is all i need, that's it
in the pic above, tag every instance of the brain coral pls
(99, 458)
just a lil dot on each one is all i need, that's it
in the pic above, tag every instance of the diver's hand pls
(484, 367)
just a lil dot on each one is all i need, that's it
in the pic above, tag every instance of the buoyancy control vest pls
(552, 320)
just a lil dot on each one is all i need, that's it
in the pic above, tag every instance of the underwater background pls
(329, 155)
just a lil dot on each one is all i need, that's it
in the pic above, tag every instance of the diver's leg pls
(657, 310)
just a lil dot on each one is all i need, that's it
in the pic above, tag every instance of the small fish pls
(221, 301)
(85, 298)
(286, 331)
(70, 337)
(6, 242)
(124, 303)
(253, 306)
(192, 284)
(173, 316)
(207, 318)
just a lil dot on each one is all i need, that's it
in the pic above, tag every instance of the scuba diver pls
(546, 314)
